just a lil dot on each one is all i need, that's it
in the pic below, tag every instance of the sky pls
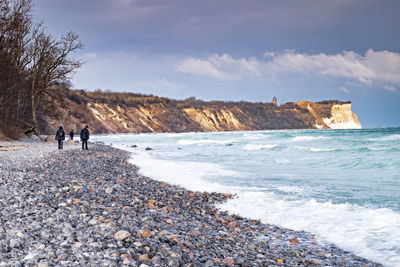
(235, 50)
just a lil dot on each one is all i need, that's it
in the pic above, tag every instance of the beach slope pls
(74, 207)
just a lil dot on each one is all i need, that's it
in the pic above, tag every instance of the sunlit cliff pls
(133, 113)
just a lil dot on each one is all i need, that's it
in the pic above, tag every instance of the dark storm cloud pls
(194, 26)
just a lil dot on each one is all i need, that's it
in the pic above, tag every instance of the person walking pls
(85, 137)
(60, 136)
(71, 134)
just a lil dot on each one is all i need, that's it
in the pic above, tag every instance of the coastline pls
(92, 207)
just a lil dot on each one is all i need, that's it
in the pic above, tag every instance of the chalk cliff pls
(332, 115)
(134, 113)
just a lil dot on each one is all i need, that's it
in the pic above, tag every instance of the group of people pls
(60, 136)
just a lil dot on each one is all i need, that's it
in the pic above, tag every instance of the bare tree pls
(32, 62)
(50, 65)
(15, 27)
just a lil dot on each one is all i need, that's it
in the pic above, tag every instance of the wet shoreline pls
(75, 207)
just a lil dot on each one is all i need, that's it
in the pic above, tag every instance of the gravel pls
(91, 208)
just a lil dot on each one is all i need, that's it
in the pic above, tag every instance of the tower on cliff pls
(275, 101)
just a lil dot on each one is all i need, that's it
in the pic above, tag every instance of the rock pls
(14, 243)
(209, 263)
(43, 264)
(148, 148)
(65, 189)
(144, 257)
(144, 233)
(156, 260)
(50, 139)
(77, 187)
(109, 190)
(138, 244)
(30, 256)
(127, 261)
(187, 244)
(121, 235)
(240, 260)
(133, 146)
(93, 222)
(228, 261)
(294, 240)
(232, 224)
(173, 262)
(163, 233)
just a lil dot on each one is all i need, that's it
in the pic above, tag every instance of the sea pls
(341, 185)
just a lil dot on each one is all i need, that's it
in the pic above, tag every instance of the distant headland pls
(109, 112)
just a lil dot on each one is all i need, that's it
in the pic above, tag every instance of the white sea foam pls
(392, 137)
(174, 134)
(255, 136)
(307, 138)
(370, 233)
(282, 161)
(314, 149)
(188, 174)
(110, 136)
(259, 146)
(290, 189)
(379, 148)
(204, 141)
(284, 175)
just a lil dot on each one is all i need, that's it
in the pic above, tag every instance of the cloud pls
(343, 89)
(373, 67)
(390, 88)
(222, 67)
(204, 68)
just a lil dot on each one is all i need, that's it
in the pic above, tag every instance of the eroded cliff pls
(132, 113)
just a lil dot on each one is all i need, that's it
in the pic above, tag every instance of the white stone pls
(138, 244)
(31, 255)
(93, 222)
(121, 235)
(109, 190)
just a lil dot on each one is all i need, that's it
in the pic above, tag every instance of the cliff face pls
(330, 115)
(129, 113)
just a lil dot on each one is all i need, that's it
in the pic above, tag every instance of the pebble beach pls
(92, 208)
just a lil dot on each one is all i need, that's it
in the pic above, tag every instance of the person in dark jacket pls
(71, 134)
(85, 137)
(60, 136)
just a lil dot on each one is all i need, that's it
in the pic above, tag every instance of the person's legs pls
(86, 144)
(59, 144)
(83, 143)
